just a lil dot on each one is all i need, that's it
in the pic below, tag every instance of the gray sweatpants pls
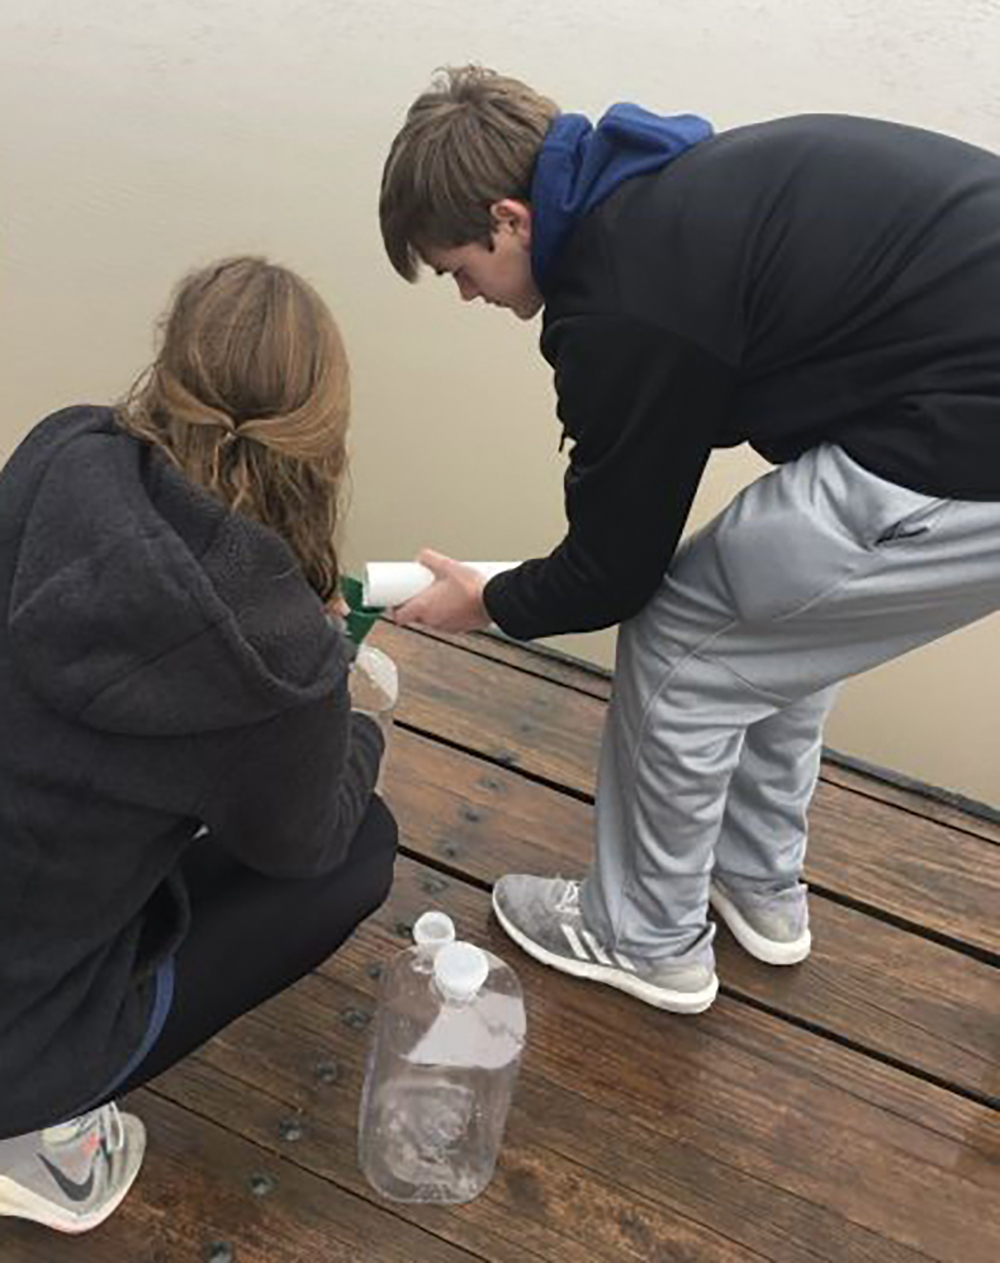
(711, 749)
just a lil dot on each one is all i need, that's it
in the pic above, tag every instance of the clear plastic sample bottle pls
(446, 1049)
(374, 689)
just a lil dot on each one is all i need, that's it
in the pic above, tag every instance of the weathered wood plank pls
(534, 659)
(540, 1205)
(202, 1187)
(910, 800)
(765, 1134)
(576, 1181)
(893, 1153)
(592, 680)
(919, 870)
(901, 995)
(418, 887)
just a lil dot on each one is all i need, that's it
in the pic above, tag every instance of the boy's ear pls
(511, 215)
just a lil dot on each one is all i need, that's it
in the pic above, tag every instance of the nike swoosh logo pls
(70, 1188)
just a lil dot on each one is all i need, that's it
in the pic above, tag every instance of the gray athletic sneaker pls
(771, 925)
(73, 1176)
(542, 915)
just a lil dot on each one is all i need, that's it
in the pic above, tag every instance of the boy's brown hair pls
(471, 141)
(249, 397)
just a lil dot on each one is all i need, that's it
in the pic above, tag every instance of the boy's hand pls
(453, 602)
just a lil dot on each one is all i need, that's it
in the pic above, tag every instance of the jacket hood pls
(580, 165)
(140, 604)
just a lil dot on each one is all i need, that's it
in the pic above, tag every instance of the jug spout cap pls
(460, 969)
(434, 929)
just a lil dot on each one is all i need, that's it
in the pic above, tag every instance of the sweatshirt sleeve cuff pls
(500, 599)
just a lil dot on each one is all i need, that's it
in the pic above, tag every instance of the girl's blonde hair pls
(249, 397)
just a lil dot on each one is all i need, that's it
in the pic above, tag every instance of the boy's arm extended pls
(642, 407)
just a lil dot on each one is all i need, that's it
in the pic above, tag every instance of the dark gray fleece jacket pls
(163, 665)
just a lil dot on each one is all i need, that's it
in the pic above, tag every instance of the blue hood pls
(580, 165)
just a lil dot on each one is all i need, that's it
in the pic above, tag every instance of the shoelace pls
(111, 1129)
(569, 900)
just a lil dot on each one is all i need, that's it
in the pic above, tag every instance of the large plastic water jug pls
(446, 1048)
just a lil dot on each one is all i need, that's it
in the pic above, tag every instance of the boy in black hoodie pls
(823, 288)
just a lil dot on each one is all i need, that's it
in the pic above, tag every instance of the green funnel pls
(361, 617)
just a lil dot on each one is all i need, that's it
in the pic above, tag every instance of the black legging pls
(251, 936)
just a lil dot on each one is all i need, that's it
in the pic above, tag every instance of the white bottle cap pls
(460, 969)
(434, 929)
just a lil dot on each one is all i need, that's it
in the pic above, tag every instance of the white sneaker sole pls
(770, 951)
(18, 1202)
(658, 997)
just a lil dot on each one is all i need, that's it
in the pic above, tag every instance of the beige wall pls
(139, 138)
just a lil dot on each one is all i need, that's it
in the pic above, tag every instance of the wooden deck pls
(844, 1110)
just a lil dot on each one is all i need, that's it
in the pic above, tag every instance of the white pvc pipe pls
(389, 583)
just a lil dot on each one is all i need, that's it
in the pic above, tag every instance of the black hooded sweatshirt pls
(163, 666)
(786, 284)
